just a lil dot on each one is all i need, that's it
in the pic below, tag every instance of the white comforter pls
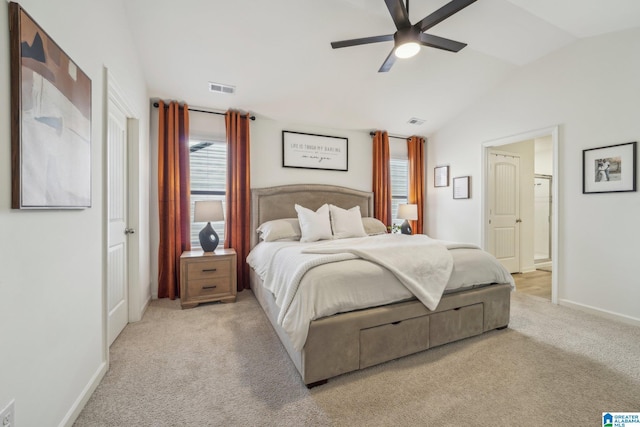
(314, 280)
(421, 264)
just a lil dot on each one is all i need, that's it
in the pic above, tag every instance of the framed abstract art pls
(50, 121)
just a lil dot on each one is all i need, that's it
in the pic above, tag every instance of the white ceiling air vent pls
(222, 88)
(415, 121)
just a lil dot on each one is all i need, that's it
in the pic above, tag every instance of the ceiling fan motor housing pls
(406, 35)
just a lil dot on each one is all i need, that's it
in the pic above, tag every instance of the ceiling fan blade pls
(388, 63)
(443, 13)
(364, 40)
(440, 43)
(398, 13)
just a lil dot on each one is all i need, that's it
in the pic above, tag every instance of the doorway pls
(122, 297)
(543, 209)
(528, 145)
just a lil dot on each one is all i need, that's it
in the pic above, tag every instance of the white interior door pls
(504, 209)
(117, 271)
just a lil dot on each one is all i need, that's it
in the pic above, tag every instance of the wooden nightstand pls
(207, 277)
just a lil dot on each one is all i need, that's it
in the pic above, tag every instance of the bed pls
(365, 336)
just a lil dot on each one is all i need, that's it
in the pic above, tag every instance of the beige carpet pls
(222, 365)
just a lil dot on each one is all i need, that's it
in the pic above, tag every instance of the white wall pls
(52, 349)
(590, 89)
(266, 157)
(544, 155)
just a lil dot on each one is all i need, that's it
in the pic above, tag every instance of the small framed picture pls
(441, 176)
(609, 169)
(461, 186)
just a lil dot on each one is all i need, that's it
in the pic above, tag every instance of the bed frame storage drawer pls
(456, 324)
(393, 340)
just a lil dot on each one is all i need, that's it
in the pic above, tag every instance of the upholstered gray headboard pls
(278, 202)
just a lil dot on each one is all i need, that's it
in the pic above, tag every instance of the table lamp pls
(407, 212)
(208, 210)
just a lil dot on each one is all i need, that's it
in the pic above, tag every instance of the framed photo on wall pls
(310, 151)
(461, 187)
(609, 169)
(441, 176)
(50, 121)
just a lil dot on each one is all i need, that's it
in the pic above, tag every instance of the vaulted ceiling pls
(278, 56)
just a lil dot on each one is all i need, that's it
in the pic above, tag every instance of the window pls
(208, 172)
(399, 170)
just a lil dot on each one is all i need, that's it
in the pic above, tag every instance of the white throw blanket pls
(423, 265)
(283, 281)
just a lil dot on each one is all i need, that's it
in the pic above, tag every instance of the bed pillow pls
(314, 225)
(346, 223)
(280, 229)
(373, 226)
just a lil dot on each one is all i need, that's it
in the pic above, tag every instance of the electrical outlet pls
(8, 416)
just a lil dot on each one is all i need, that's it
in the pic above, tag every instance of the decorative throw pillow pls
(314, 225)
(346, 223)
(280, 229)
(373, 226)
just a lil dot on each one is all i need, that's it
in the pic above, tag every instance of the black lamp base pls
(209, 238)
(405, 228)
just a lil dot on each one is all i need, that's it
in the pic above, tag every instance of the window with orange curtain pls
(208, 165)
(173, 195)
(415, 152)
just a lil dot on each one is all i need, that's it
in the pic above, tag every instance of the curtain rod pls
(392, 136)
(155, 104)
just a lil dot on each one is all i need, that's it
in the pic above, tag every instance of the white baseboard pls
(600, 312)
(544, 264)
(82, 400)
(144, 307)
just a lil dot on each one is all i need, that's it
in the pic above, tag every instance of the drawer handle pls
(210, 287)
(209, 270)
(396, 323)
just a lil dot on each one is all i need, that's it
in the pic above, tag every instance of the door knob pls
(518, 220)
(129, 231)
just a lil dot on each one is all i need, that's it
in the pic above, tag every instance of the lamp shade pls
(208, 210)
(408, 211)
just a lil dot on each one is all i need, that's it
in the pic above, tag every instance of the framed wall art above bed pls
(310, 151)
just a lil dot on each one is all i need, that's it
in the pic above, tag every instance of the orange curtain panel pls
(238, 216)
(415, 150)
(381, 178)
(173, 195)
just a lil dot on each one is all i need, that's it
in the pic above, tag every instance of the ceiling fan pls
(408, 38)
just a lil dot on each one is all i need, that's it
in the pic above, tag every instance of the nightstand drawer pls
(207, 277)
(208, 287)
(209, 269)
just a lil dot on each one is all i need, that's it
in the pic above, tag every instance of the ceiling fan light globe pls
(407, 50)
